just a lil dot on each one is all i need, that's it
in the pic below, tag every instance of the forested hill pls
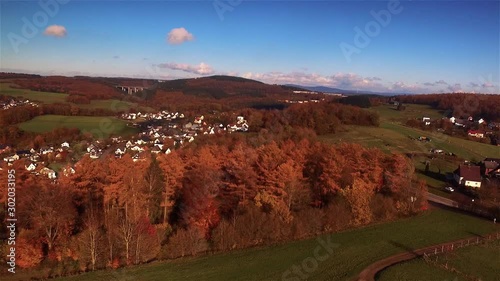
(219, 87)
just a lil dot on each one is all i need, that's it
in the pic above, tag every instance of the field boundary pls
(370, 272)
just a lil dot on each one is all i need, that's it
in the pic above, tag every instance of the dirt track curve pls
(369, 273)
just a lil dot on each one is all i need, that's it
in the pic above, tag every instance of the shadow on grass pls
(404, 247)
(434, 175)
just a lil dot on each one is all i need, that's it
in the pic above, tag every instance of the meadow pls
(479, 262)
(355, 250)
(49, 98)
(393, 137)
(43, 97)
(100, 127)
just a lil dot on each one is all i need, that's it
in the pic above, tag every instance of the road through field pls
(369, 273)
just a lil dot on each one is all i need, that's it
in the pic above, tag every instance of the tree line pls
(216, 195)
(460, 105)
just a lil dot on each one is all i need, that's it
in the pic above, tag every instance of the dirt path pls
(368, 274)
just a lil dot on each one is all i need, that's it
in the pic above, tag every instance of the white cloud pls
(437, 83)
(487, 85)
(455, 88)
(178, 36)
(201, 69)
(56, 31)
(344, 81)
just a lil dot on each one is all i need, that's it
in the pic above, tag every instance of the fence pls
(445, 248)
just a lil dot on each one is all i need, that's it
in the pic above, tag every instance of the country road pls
(441, 200)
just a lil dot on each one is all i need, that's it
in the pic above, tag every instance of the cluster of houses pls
(34, 158)
(153, 139)
(471, 176)
(469, 123)
(14, 103)
(164, 138)
(462, 122)
(487, 129)
(162, 115)
(302, 101)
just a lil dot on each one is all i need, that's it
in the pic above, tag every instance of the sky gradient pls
(414, 46)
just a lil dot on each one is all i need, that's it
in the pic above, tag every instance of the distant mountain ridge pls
(325, 89)
(217, 86)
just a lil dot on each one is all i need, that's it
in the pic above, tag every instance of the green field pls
(114, 105)
(480, 262)
(100, 127)
(412, 111)
(392, 136)
(356, 249)
(47, 97)
(43, 97)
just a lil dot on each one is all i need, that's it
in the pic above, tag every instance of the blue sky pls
(425, 46)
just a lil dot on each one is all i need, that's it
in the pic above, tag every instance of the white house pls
(51, 174)
(46, 150)
(67, 171)
(31, 167)
(477, 134)
(137, 148)
(11, 159)
(155, 150)
(95, 154)
(90, 148)
(468, 176)
(65, 144)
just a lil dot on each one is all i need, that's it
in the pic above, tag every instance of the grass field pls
(43, 97)
(356, 249)
(47, 97)
(99, 126)
(412, 111)
(480, 262)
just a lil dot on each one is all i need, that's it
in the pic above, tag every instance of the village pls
(475, 128)
(159, 132)
(15, 102)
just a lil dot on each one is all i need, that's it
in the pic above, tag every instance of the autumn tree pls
(173, 170)
(154, 185)
(201, 185)
(358, 196)
(91, 238)
(51, 213)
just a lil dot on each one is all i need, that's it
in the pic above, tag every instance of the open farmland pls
(42, 97)
(356, 249)
(412, 111)
(101, 127)
(49, 98)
